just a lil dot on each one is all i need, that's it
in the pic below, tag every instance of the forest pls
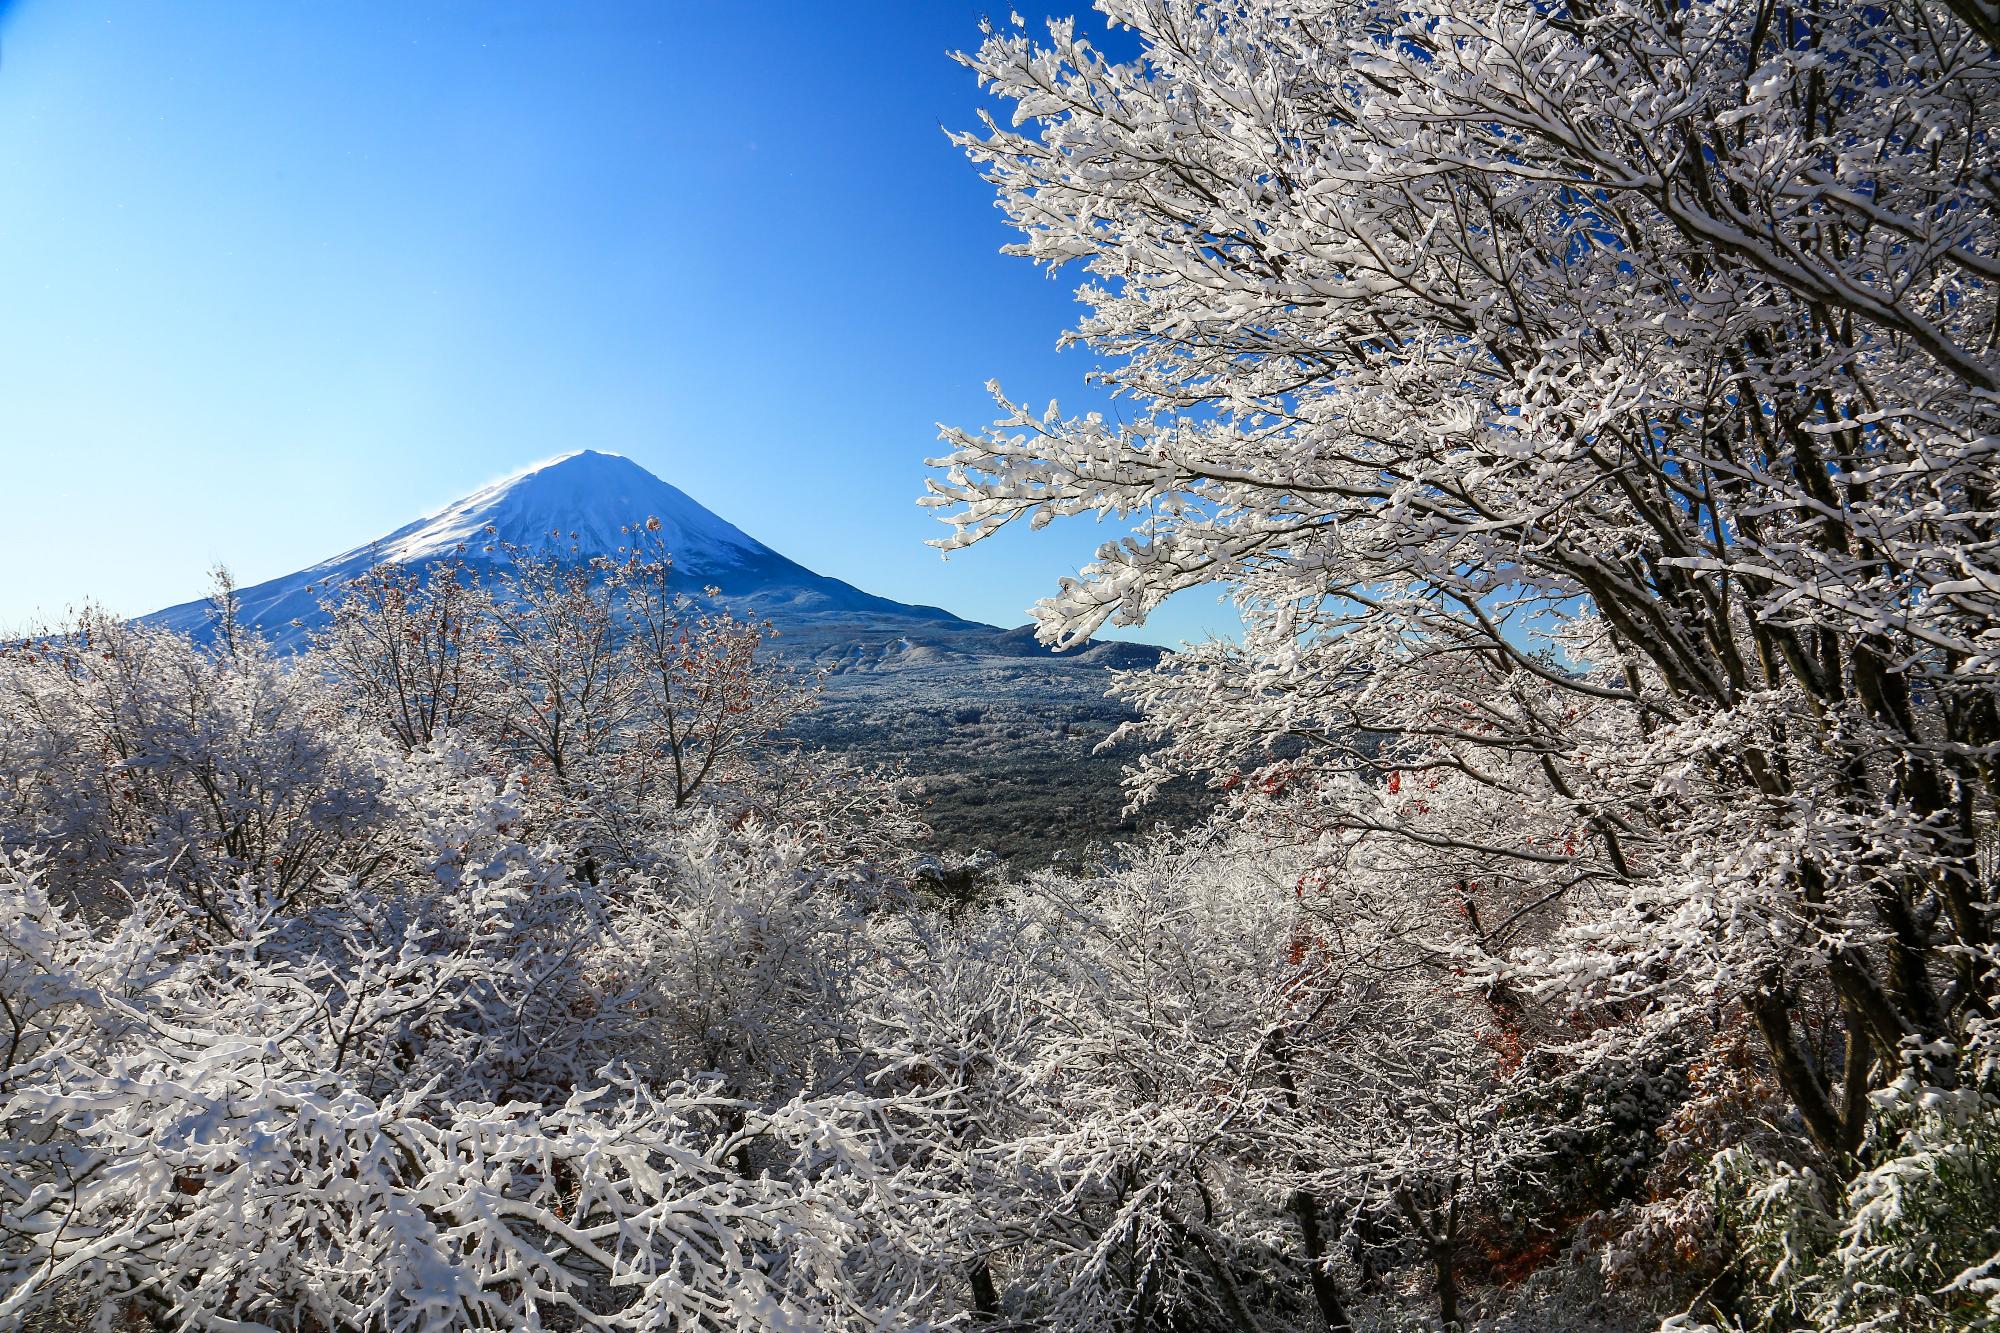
(1591, 407)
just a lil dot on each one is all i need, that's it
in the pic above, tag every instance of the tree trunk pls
(985, 1297)
(1326, 1292)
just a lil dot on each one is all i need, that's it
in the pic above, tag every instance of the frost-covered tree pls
(411, 1071)
(132, 752)
(1909, 1242)
(739, 1075)
(711, 699)
(1589, 407)
(310, 1019)
(257, 1132)
(1201, 1091)
(411, 646)
(560, 692)
(625, 701)
(1590, 402)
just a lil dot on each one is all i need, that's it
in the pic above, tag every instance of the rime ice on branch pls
(1593, 411)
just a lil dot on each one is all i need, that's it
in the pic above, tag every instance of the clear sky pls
(277, 278)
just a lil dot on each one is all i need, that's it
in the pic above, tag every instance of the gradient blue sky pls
(276, 278)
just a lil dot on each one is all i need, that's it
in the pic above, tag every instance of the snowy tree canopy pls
(1592, 411)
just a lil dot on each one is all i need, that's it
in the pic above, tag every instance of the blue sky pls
(276, 278)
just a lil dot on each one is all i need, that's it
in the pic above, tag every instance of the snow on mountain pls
(581, 504)
(586, 499)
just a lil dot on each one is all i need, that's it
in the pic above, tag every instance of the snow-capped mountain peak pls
(585, 501)
(578, 505)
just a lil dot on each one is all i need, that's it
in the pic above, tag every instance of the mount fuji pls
(584, 504)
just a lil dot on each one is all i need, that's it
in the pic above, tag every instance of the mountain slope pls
(579, 504)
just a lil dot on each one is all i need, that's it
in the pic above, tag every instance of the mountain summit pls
(581, 505)
(584, 500)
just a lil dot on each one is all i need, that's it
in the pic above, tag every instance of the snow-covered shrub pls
(135, 753)
(737, 953)
(316, 1121)
(309, 1025)
(1202, 1087)
(1911, 1241)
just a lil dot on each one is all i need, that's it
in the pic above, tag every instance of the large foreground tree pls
(1592, 408)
